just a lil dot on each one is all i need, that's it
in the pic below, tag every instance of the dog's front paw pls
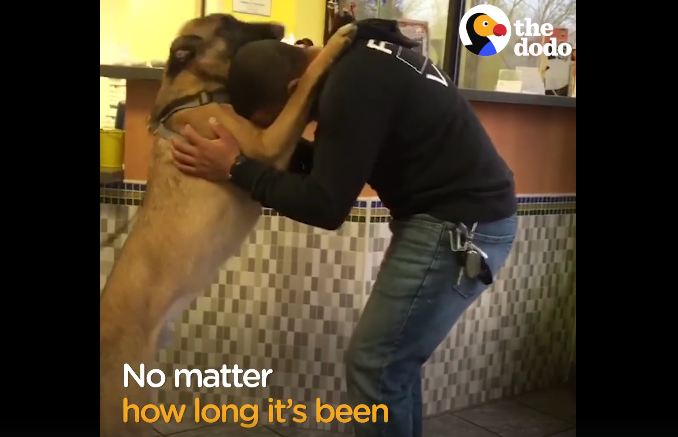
(336, 45)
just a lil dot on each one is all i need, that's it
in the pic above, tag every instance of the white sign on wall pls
(255, 7)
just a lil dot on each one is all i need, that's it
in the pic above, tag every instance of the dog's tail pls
(118, 232)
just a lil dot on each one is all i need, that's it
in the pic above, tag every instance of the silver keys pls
(469, 255)
(461, 274)
(458, 244)
(472, 264)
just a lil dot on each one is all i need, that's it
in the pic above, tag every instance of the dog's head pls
(206, 45)
(200, 56)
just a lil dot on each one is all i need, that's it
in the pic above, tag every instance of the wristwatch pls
(238, 160)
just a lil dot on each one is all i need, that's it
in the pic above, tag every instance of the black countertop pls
(153, 73)
(108, 176)
(519, 98)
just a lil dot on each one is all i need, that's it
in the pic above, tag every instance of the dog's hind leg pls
(116, 419)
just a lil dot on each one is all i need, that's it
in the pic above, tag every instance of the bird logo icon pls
(485, 30)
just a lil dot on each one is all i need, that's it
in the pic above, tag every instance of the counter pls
(110, 176)
(537, 140)
(149, 73)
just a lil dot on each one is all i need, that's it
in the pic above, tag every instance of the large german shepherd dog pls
(188, 227)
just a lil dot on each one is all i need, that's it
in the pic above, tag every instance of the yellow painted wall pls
(142, 30)
(301, 18)
(310, 20)
(281, 12)
(112, 21)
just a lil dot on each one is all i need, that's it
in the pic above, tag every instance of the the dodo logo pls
(485, 30)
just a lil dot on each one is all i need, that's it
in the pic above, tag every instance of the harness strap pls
(188, 102)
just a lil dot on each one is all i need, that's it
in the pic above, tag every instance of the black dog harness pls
(187, 102)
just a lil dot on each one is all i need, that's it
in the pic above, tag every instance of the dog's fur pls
(187, 227)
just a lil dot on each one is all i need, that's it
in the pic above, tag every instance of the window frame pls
(452, 65)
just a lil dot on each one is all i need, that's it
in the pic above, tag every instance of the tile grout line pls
(157, 431)
(541, 412)
(273, 431)
(185, 431)
(474, 424)
(559, 432)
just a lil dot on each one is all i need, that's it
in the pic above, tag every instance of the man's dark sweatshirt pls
(389, 117)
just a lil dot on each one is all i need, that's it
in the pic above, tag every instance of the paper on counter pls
(509, 86)
(532, 80)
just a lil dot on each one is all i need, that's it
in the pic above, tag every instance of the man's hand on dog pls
(212, 159)
(201, 157)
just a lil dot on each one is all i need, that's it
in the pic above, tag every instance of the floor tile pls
(448, 425)
(511, 419)
(188, 423)
(559, 403)
(569, 433)
(439, 426)
(226, 430)
(287, 431)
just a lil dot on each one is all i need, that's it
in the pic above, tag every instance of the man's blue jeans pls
(413, 305)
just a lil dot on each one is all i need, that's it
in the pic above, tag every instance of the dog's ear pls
(183, 50)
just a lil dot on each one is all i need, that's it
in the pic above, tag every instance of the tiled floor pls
(547, 413)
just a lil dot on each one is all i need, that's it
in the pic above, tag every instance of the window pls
(421, 20)
(497, 72)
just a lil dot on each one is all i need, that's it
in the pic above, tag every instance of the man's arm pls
(356, 111)
(302, 158)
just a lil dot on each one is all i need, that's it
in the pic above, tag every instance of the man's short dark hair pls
(260, 73)
(304, 42)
